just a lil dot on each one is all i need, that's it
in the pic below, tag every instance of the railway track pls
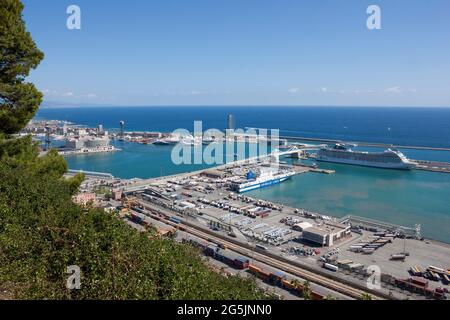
(318, 279)
(304, 274)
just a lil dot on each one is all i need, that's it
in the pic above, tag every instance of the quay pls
(364, 144)
(434, 166)
(91, 174)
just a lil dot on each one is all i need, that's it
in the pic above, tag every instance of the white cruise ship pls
(389, 159)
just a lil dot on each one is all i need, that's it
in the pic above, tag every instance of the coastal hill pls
(43, 233)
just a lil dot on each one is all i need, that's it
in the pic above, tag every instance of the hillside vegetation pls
(42, 231)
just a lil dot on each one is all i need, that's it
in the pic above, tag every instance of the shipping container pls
(398, 257)
(419, 281)
(368, 250)
(287, 285)
(436, 269)
(344, 262)
(254, 270)
(435, 276)
(265, 276)
(354, 266)
(316, 296)
(277, 277)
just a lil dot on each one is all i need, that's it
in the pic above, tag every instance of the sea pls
(401, 197)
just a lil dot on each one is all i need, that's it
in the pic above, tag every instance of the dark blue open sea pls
(398, 197)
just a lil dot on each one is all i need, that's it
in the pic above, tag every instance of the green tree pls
(307, 291)
(42, 231)
(18, 55)
(295, 282)
(366, 296)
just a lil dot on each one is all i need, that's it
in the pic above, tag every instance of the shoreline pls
(139, 182)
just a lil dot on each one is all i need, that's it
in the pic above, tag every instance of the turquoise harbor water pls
(401, 197)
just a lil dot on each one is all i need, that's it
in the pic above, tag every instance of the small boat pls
(161, 143)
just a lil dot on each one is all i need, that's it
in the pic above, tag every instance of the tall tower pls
(230, 122)
(48, 140)
(122, 129)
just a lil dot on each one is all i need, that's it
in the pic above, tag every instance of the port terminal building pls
(327, 234)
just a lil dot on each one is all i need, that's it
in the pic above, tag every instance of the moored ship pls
(341, 153)
(264, 179)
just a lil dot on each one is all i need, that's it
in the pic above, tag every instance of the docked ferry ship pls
(340, 153)
(264, 179)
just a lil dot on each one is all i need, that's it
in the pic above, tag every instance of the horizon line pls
(87, 105)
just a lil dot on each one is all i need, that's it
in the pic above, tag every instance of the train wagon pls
(175, 220)
(407, 284)
(299, 289)
(253, 269)
(241, 263)
(277, 277)
(259, 272)
(445, 279)
(287, 285)
(316, 296)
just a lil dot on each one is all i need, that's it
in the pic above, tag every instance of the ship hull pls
(259, 185)
(394, 166)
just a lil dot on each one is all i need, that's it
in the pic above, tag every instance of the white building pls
(75, 144)
(87, 143)
(327, 234)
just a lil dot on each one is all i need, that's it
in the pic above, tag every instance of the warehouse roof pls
(319, 231)
(214, 173)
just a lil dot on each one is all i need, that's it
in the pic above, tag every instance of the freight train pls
(221, 254)
(420, 286)
(280, 280)
(228, 257)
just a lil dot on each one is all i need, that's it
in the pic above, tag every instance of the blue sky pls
(243, 52)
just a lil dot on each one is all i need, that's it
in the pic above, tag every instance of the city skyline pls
(236, 53)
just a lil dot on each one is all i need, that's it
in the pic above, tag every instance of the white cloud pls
(395, 89)
(294, 90)
(324, 89)
(196, 93)
(362, 91)
(68, 95)
(398, 90)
